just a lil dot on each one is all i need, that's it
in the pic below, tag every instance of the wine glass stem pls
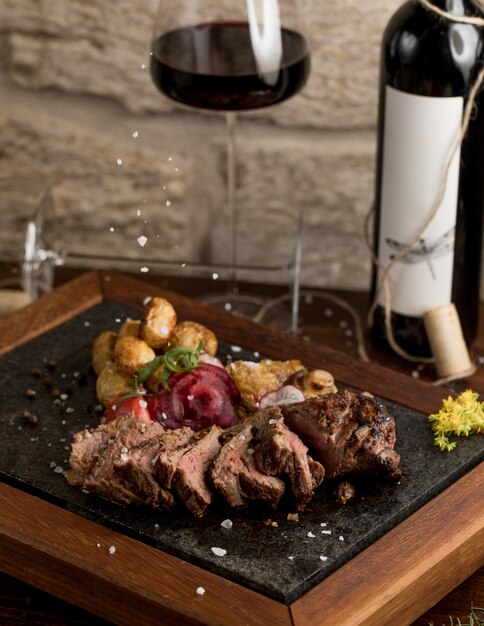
(231, 120)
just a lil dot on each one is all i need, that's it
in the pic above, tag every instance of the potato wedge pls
(131, 354)
(111, 384)
(189, 334)
(103, 350)
(158, 323)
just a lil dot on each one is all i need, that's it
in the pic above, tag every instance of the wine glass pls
(237, 56)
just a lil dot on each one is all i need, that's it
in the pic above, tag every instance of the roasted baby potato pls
(314, 383)
(189, 335)
(130, 328)
(111, 384)
(131, 354)
(158, 323)
(103, 350)
(256, 379)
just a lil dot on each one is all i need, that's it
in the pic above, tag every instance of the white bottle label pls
(419, 133)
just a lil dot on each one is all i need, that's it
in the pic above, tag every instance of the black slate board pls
(265, 551)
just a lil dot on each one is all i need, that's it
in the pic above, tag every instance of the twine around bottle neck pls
(384, 270)
(464, 19)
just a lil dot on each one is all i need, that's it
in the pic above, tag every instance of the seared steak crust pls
(347, 432)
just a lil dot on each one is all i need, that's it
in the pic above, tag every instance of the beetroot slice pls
(197, 399)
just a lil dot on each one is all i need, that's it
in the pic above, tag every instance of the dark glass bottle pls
(428, 66)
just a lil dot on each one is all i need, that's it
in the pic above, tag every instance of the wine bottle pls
(428, 67)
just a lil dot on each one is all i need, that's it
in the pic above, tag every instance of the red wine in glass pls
(212, 66)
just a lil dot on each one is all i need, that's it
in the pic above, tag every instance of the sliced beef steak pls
(192, 468)
(280, 452)
(347, 432)
(137, 467)
(235, 474)
(102, 478)
(88, 444)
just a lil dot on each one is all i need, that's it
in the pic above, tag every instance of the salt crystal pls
(135, 134)
(241, 437)
(86, 324)
(168, 203)
(119, 161)
(58, 470)
(272, 421)
(124, 458)
(98, 545)
(341, 538)
(415, 374)
(111, 229)
(52, 464)
(219, 551)
(143, 404)
(112, 549)
(63, 396)
(215, 276)
(124, 450)
(227, 523)
(323, 558)
(200, 591)
(291, 558)
(190, 397)
(142, 240)
(256, 355)
(326, 532)
(312, 535)
(157, 525)
(69, 409)
(236, 348)
(250, 451)
(144, 269)
(164, 415)
(323, 524)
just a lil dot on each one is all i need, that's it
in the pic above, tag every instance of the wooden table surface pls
(325, 322)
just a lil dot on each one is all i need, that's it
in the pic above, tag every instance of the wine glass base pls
(239, 305)
(252, 307)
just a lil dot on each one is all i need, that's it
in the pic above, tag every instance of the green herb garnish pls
(175, 360)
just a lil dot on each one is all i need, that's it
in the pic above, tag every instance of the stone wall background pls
(77, 106)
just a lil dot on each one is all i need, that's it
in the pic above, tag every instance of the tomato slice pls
(138, 407)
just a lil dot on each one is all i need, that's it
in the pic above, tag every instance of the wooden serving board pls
(393, 581)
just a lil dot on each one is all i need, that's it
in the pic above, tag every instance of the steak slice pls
(192, 467)
(235, 474)
(137, 467)
(102, 478)
(347, 432)
(280, 452)
(88, 444)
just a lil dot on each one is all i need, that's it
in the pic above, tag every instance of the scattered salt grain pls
(157, 525)
(200, 591)
(291, 558)
(147, 300)
(143, 404)
(135, 134)
(56, 401)
(312, 535)
(69, 409)
(219, 551)
(112, 549)
(272, 421)
(323, 524)
(241, 437)
(236, 348)
(144, 269)
(164, 415)
(256, 355)
(190, 398)
(52, 464)
(227, 523)
(323, 558)
(250, 451)
(63, 396)
(124, 450)
(142, 240)
(119, 161)
(326, 532)
(98, 545)
(341, 538)
(58, 469)
(86, 324)
(415, 374)
(124, 458)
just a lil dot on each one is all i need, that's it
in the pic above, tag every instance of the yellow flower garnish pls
(459, 416)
